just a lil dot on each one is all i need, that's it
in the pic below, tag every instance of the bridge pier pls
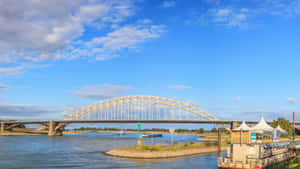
(234, 124)
(3, 127)
(56, 128)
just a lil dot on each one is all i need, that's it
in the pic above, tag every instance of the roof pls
(278, 128)
(262, 125)
(243, 127)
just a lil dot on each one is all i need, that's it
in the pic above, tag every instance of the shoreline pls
(17, 134)
(128, 152)
(132, 131)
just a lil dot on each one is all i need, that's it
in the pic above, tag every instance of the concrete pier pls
(3, 125)
(56, 128)
(52, 129)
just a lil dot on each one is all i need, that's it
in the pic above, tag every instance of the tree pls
(214, 130)
(201, 130)
(284, 124)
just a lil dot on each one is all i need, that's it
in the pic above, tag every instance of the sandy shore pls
(16, 134)
(146, 154)
(207, 139)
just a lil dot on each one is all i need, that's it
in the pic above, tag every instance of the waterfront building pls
(256, 147)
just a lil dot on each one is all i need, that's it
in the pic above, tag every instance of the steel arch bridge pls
(141, 108)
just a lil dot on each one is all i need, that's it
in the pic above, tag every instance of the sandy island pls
(164, 151)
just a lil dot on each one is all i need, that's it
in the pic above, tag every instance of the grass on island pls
(164, 147)
(293, 163)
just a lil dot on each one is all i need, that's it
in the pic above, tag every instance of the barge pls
(151, 135)
(257, 147)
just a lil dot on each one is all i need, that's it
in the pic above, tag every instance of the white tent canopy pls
(262, 125)
(243, 127)
(279, 129)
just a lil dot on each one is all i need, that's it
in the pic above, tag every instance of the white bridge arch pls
(141, 108)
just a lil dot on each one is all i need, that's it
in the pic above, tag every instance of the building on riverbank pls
(256, 147)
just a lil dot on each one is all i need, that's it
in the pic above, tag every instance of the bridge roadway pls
(56, 127)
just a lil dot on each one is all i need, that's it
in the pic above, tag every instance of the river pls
(86, 151)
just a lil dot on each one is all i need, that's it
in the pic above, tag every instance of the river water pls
(86, 151)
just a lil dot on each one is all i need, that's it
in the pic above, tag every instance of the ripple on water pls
(85, 151)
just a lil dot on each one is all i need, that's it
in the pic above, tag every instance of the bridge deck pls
(142, 121)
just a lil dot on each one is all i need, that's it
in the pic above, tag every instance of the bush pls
(149, 148)
(211, 143)
(201, 130)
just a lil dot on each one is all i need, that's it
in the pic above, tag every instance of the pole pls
(294, 127)
(241, 136)
(139, 130)
(219, 142)
(139, 141)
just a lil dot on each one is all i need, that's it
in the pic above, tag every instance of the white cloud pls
(34, 31)
(23, 112)
(102, 91)
(292, 100)
(168, 4)
(127, 36)
(235, 14)
(3, 86)
(179, 87)
(238, 99)
(18, 70)
(228, 17)
(267, 114)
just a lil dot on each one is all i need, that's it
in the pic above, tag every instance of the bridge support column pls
(234, 124)
(3, 126)
(54, 129)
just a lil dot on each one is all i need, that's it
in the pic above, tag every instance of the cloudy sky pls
(234, 59)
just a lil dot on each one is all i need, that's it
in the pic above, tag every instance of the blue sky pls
(235, 59)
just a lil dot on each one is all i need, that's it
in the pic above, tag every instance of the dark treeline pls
(201, 130)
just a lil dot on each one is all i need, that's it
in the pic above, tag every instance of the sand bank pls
(156, 153)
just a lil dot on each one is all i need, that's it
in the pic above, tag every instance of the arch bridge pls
(140, 108)
(131, 109)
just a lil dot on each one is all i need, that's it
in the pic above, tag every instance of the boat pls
(151, 135)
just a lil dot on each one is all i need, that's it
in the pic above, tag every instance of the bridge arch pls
(141, 108)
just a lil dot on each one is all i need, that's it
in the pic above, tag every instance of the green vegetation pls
(163, 147)
(197, 131)
(284, 124)
(293, 163)
(214, 130)
(200, 131)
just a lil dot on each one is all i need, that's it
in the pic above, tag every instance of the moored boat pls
(151, 135)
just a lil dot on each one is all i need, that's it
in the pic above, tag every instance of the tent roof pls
(262, 125)
(243, 127)
(278, 128)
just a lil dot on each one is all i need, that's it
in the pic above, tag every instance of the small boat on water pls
(151, 135)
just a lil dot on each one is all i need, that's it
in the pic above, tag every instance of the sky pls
(235, 59)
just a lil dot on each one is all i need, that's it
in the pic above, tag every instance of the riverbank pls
(15, 134)
(164, 151)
